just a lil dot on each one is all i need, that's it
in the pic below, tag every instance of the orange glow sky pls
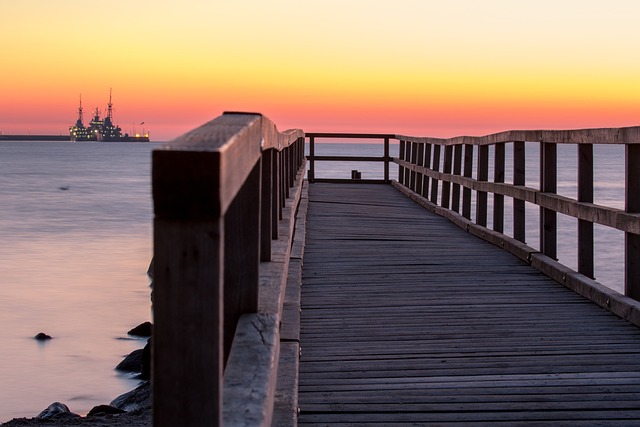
(418, 67)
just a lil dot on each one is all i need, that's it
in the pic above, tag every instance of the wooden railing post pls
(268, 201)
(386, 159)
(241, 255)
(435, 166)
(446, 185)
(413, 153)
(312, 168)
(483, 175)
(498, 176)
(632, 205)
(457, 169)
(548, 184)
(519, 180)
(427, 165)
(585, 194)
(468, 171)
(420, 176)
(402, 148)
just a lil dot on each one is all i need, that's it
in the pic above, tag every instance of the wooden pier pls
(279, 301)
(407, 319)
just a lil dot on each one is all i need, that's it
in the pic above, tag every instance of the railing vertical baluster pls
(519, 179)
(402, 149)
(632, 205)
(468, 171)
(407, 171)
(420, 175)
(386, 159)
(413, 160)
(498, 176)
(435, 166)
(276, 207)
(266, 225)
(548, 184)
(585, 194)
(457, 169)
(312, 164)
(446, 185)
(427, 165)
(483, 175)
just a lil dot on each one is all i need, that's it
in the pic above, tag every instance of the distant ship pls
(102, 130)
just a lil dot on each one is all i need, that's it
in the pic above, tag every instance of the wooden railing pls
(313, 158)
(221, 252)
(446, 185)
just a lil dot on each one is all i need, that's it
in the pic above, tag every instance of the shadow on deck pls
(406, 319)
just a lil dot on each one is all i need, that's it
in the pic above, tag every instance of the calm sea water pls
(75, 226)
(73, 261)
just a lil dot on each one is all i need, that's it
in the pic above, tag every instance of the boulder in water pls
(138, 398)
(102, 410)
(142, 330)
(56, 410)
(42, 337)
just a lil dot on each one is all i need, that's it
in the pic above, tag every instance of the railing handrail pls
(621, 135)
(219, 193)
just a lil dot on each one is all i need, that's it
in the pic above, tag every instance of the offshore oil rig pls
(102, 129)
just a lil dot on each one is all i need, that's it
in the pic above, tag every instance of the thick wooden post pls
(632, 204)
(585, 194)
(548, 184)
(457, 169)
(435, 166)
(498, 176)
(241, 255)
(446, 185)
(483, 175)
(519, 179)
(468, 171)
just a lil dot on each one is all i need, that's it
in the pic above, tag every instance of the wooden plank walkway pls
(408, 320)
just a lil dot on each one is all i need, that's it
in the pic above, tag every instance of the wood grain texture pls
(406, 319)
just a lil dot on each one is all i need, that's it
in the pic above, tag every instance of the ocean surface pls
(76, 233)
(75, 227)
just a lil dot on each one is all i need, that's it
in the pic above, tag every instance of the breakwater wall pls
(35, 138)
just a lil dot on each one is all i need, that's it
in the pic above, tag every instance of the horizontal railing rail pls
(221, 193)
(446, 184)
(312, 158)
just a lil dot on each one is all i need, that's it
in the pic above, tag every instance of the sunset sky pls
(418, 67)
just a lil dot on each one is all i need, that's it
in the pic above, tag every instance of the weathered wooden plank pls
(407, 319)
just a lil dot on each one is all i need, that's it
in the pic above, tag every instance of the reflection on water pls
(75, 222)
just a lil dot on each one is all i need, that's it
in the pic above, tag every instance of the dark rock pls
(142, 330)
(104, 410)
(145, 374)
(56, 410)
(42, 337)
(138, 398)
(131, 363)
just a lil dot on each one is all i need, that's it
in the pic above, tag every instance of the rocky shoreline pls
(130, 409)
